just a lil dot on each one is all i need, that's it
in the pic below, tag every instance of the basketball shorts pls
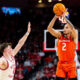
(66, 69)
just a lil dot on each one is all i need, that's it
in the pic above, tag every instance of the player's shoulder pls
(12, 54)
(61, 36)
(2, 60)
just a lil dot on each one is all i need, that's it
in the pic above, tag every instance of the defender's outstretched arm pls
(22, 40)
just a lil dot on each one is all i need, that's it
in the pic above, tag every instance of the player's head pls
(6, 48)
(67, 29)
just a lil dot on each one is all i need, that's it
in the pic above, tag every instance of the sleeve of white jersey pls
(76, 59)
(1, 60)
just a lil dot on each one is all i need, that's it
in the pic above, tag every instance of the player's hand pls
(29, 27)
(63, 15)
(57, 16)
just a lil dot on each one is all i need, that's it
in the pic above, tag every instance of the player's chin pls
(64, 32)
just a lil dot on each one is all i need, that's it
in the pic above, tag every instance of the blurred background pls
(32, 63)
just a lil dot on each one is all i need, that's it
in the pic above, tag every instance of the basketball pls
(59, 9)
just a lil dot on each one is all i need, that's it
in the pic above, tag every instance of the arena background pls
(32, 63)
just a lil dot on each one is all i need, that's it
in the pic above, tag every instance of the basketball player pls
(7, 61)
(66, 46)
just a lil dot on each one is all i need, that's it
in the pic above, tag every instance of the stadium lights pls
(39, 1)
(59, 0)
(49, 1)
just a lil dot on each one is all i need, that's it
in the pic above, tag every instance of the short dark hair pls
(4, 45)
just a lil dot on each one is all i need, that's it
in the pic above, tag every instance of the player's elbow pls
(49, 28)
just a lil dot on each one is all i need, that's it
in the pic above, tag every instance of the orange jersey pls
(66, 49)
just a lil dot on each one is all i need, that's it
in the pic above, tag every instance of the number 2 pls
(64, 47)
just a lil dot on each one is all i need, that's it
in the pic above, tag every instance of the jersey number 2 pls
(64, 47)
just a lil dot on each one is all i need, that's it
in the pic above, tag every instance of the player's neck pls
(6, 55)
(67, 35)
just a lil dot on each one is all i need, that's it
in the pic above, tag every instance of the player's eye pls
(66, 27)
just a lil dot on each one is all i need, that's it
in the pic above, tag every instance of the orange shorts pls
(66, 69)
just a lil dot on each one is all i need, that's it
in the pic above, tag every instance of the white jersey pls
(8, 73)
(76, 59)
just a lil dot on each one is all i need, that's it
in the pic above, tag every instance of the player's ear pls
(4, 50)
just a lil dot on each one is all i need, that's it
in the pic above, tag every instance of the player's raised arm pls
(73, 30)
(22, 40)
(52, 30)
(74, 33)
